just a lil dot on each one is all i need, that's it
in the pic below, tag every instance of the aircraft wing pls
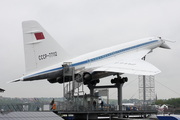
(131, 64)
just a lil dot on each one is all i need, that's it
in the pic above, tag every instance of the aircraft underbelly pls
(99, 75)
(53, 74)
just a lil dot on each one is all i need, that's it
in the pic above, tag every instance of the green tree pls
(175, 102)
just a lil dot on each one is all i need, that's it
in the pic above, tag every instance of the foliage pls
(175, 102)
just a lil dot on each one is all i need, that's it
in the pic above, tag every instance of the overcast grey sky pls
(82, 26)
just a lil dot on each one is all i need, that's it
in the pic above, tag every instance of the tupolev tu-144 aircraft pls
(44, 58)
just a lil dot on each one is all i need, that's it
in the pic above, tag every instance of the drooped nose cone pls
(164, 45)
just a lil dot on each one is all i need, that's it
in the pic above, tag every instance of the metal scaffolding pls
(147, 93)
(72, 89)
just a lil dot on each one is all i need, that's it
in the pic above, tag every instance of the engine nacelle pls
(78, 77)
(66, 79)
(87, 77)
(59, 79)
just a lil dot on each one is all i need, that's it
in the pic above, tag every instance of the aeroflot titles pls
(49, 55)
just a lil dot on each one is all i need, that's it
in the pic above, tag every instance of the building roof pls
(29, 116)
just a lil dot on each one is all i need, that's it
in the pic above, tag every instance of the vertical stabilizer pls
(40, 49)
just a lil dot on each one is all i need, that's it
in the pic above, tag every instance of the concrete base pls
(85, 116)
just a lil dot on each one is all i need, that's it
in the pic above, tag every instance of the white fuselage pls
(98, 58)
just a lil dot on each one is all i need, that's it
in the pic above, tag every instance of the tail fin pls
(40, 49)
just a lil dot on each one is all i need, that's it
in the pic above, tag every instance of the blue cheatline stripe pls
(80, 63)
(97, 58)
(120, 51)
